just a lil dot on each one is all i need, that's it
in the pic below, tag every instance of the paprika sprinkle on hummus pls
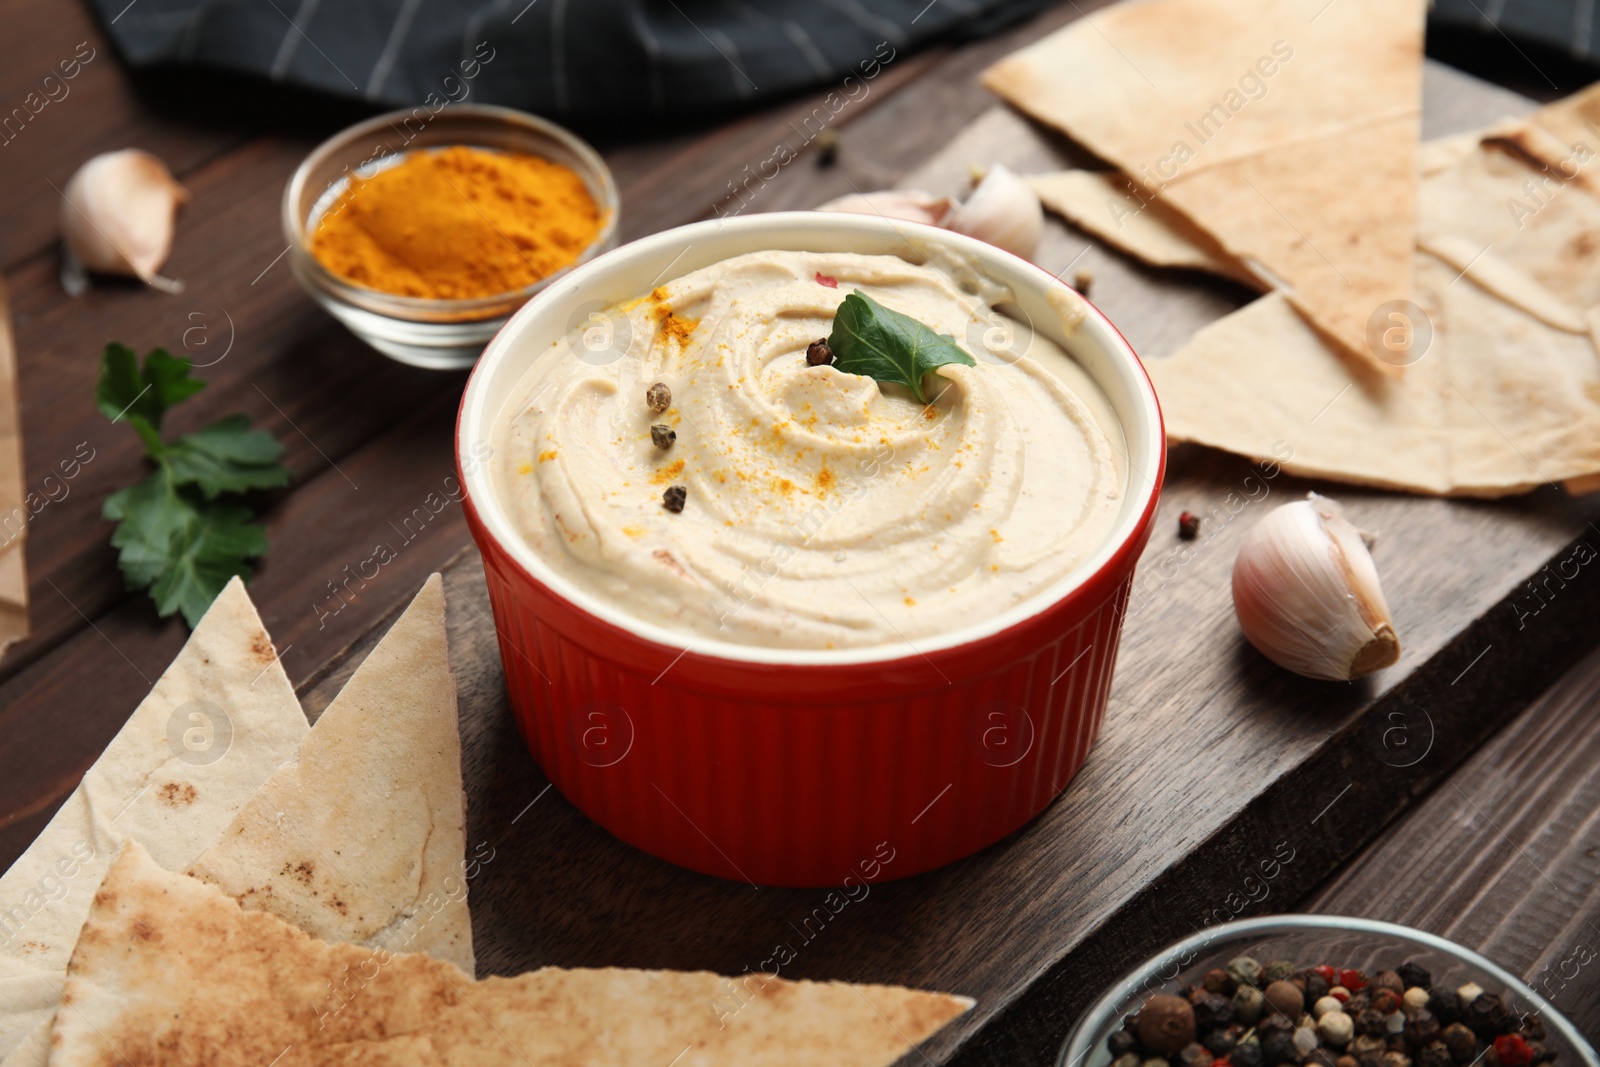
(458, 224)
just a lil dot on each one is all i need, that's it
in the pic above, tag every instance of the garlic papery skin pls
(1004, 211)
(907, 205)
(1307, 595)
(118, 218)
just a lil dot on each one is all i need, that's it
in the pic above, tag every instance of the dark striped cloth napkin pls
(1568, 25)
(561, 58)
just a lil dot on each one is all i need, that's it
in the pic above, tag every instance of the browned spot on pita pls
(177, 794)
(143, 931)
(261, 646)
(302, 872)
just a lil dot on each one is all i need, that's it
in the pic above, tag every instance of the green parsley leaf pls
(142, 395)
(881, 343)
(176, 536)
(227, 457)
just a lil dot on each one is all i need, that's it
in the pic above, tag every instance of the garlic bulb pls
(1307, 595)
(118, 219)
(908, 205)
(1004, 211)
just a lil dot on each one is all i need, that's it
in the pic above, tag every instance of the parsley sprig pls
(184, 531)
(884, 344)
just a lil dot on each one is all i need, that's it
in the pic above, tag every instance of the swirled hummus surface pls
(823, 510)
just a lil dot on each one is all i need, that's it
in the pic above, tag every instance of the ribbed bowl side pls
(764, 788)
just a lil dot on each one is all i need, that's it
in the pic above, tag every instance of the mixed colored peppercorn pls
(1254, 1015)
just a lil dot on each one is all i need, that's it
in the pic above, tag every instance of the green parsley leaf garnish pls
(881, 343)
(178, 535)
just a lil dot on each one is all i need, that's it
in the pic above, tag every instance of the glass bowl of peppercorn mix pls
(1323, 991)
(422, 231)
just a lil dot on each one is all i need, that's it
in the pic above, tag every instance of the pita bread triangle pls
(169, 970)
(362, 836)
(1286, 129)
(210, 731)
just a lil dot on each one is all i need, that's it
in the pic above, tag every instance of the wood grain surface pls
(1210, 756)
(1504, 855)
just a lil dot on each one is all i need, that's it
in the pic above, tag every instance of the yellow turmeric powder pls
(458, 223)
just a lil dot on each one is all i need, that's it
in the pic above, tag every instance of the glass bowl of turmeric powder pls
(422, 231)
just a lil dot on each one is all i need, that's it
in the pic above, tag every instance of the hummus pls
(824, 510)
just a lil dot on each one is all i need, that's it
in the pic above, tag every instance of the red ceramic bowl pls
(804, 767)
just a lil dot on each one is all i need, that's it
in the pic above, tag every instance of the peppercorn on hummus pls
(791, 505)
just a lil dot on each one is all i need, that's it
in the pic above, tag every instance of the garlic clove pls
(1307, 595)
(118, 216)
(1004, 211)
(907, 205)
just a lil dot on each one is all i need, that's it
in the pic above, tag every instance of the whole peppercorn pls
(1221, 1042)
(1371, 1059)
(1244, 970)
(1445, 1005)
(1278, 1047)
(1276, 971)
(1513, 1051)
(1386, 1001)
(1212, 1010)
(1273, 1023)
(1412, 974)
(1354, 981)
(1346, 1060)
(1155, 1061)
(662, 436)
(1324, 1006)
(818, 354)
(1305, 1039)
(1396, 1059)
(1337, 1028)
(1217, 981)
(1370, 1023)
(1415, 997)
(659, 397)
(1316, 986)
(1321, 1057)
(1246, 1054)
(1388, 980)
(1468, 993)
(1461, 1041)
(1283, 997)
(1127, 1059)
(1188, 526)
(1421, 1027)
(674, 498)
(1435, 1054)
(1121, 1043)
(1358, 1002)
(1166, 1024)
(1364, 1044)
(1247, 1004)
(1488, 1016)
(1195, 1055)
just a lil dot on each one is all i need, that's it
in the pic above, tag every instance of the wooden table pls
(1210, 758)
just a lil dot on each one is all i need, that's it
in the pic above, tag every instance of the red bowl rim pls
(743, 657)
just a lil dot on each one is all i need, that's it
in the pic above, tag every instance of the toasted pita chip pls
(1506, 398)
(361, 837)
(1290, 137)
(218, 722)
(1109, 206)
(169, 970)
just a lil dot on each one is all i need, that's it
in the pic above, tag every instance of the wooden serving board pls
(1221, 785)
